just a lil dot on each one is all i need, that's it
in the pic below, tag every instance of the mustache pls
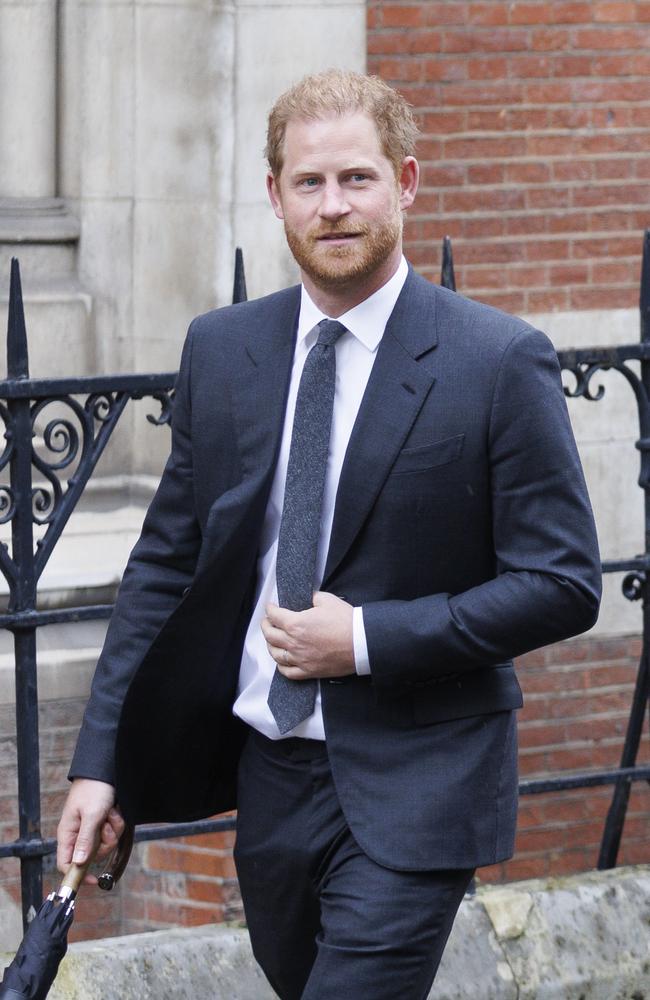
(336, 230)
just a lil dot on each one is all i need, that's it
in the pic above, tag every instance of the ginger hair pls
(341, 92)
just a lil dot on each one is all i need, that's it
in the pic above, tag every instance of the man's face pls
(340, 200)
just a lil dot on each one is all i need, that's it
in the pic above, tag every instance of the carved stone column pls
(35, 225)
(28, 99)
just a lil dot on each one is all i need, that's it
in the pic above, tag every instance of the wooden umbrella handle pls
(119, 859)
(73, 879)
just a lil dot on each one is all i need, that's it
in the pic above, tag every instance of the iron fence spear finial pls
(447, 276)
(17, 360)
(239, 293)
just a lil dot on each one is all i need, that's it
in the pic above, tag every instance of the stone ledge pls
(37, 220)
(585, 936)
(187, 964)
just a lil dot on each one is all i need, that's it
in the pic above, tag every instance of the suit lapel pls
(399, 383)
(261, 384)
(261, 368)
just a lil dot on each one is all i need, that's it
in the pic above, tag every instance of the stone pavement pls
(586, 937)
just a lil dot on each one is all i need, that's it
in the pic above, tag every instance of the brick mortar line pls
(581, 692)
(212, 879)
(570, 746)
(484, 268)
(530, 158)
(512, 213)
(482, 290)
(486, 55)
(551, 184)
(571, 795)
(591, 694)
(479, 270)
(544, 286)
(569, 261)
(200, 904)
(570, 668)
(160, 892)
(555, 55)
(617, 104)
(455, 110)
(471, 27)
(168, 844)
(392, 30)
(508, 160)
(424, 109)
(562, 668)
(535, 213)
(609, 716)
(483, 54)
(599, 209)
(556, 825)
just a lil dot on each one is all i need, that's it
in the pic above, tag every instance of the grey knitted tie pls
(292, 701)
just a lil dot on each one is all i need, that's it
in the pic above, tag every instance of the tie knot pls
(329, 331)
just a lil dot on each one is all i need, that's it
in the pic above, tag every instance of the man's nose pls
(333, 202)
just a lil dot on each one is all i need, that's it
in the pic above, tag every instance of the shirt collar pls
(368, 320)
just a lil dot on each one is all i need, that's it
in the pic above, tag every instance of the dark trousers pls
(326, 922)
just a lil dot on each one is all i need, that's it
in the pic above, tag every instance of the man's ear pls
(273, 188)
(408, 181)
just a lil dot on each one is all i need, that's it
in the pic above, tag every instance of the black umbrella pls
(36, 963)
(37, 960)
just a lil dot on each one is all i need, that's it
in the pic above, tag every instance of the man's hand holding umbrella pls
(90, 826)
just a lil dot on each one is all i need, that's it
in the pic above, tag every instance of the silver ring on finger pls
(285, 657)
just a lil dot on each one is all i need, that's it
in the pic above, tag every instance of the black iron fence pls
(46, 481)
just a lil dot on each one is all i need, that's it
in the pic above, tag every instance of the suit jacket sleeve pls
(159, 569)
(546, 585)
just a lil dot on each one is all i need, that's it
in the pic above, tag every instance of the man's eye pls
(309, 182)
(358, 178)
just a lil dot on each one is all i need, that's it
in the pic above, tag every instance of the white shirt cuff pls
(361, 658)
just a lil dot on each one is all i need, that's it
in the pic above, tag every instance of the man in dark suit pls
(406, 454)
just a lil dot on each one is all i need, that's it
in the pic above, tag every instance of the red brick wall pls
(187, 881)
(535, 148)
(577, 699)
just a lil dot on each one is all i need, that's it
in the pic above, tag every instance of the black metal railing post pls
(447, 276)
(239, 293)
(23, 598)
(615, 821)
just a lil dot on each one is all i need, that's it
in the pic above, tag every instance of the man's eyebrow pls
(304, 170)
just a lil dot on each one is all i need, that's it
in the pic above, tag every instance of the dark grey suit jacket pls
(462, 526)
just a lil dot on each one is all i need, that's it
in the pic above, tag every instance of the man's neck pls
(335, 300)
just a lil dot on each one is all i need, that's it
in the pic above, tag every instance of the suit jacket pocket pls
(457, 696)
(428, 456)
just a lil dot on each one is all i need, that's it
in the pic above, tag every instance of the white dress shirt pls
(355, 355)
